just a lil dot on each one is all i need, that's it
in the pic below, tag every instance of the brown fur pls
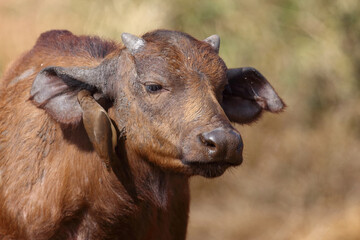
(53, 185)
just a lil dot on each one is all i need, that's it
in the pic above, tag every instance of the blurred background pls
(301, 174)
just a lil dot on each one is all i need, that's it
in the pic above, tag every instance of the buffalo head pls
(171, 94)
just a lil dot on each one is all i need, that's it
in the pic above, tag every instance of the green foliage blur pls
(300, 178)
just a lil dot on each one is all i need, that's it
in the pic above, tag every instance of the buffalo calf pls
(98, 139)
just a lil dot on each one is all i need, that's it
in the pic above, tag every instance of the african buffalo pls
(98, 139)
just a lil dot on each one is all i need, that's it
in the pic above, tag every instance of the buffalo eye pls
(153, 88)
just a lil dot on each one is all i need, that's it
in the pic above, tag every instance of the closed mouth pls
(209, 169)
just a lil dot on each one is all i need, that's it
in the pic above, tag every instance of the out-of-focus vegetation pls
(301, 174)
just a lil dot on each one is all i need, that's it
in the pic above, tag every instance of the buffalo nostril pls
(208, 142)
(223, 144)
(215, 143)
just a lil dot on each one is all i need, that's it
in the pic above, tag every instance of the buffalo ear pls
(55, 89)
(248, 94)
(99, 127)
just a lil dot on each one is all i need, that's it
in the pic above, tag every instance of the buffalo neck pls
(144, 181)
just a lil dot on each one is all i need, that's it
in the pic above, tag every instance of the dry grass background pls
(301, 175)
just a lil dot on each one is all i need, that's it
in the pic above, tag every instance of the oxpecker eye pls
(152, 88)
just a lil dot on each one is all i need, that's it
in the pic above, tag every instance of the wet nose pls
(223, 144)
